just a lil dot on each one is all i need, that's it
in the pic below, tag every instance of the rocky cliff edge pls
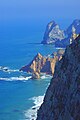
(62, 99)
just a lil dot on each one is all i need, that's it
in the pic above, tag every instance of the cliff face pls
(60, 38)
(62, 99)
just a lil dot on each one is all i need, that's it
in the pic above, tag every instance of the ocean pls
(20, 96)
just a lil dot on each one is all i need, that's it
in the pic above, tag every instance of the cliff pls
(61, 38)
(62, 99)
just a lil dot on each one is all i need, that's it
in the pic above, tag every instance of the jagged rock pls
(36, 64)
(41, 64)
(58, 54)
(61, 38)
(62, 99)
(72, 33)
(60, 51)
(49, 65)
(74, 27)
(35, 75)
(52, 33)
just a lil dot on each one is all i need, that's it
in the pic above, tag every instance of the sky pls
(40, 12)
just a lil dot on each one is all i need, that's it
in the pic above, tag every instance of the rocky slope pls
(62, 99)
(60, 38)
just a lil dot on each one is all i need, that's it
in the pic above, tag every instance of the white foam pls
(10, 70)
(32, 112)
(45, 76)
(7, 69)
(59, 48)
(16, 78)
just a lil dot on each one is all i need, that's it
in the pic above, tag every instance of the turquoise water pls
(15, 97)
(18, 95)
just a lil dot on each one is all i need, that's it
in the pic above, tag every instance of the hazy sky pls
(31, 11)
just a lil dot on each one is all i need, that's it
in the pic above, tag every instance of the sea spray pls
(21, 78)
(32, 112)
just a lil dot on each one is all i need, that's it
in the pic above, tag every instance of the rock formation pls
(41, 64)
(35, 75)
(52, 33)
(49, 65)
(62, 99)
(58, 54)
(61, 38)
(35, 65)
(75, 26)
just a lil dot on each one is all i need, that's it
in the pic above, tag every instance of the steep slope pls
(62, 99)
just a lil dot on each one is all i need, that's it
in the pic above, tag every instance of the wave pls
(46, 76)
(60, 48)
(31, 114)
(21, 78)
(7, 69)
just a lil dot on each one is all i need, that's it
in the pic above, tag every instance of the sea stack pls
(41, 64)
(62, 99)
(61, 38)
(52, 33)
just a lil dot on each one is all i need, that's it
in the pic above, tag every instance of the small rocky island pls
(61, 38)
(41, 64)
(62, 99)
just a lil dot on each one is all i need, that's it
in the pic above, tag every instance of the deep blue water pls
(19, 94)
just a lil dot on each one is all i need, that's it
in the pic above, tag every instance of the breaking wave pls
(21, 78)
(7, 69)
(46, 76)
(31, 114)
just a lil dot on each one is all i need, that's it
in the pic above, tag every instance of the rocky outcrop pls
(61, 38)
(58, 54)
(74, 27)
(35, 65)
(62, 99)
(49, 65)
(52, 33)
(41, 64)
